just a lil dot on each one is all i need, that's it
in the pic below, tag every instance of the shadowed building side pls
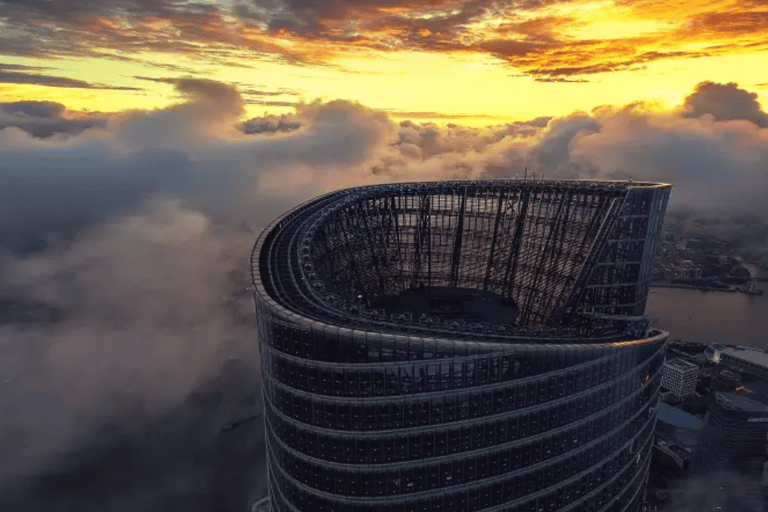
(733, 436)
(459, 346)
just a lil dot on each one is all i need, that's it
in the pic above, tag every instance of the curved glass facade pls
(392, 384)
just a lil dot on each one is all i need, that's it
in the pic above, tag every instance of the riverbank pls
(727, 289)
(662, 284)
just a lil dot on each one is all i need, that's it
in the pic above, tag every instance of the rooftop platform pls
(751, 355)
(739, 403)
(681, 364)
(678, 418)
(448, 303)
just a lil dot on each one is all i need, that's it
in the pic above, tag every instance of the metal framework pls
(371, 406)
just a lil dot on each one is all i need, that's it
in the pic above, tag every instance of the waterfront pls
(706, 317)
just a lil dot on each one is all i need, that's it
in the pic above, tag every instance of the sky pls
(468, 61)
(145, 144)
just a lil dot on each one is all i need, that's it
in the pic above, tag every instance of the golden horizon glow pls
(441, 62)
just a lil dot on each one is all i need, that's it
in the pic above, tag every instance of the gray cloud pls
(122, 285)
(40, 109)
(724, 102)
(719, 168)
(271, 124)
(46, 118)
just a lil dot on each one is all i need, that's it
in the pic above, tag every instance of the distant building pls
(726, 381)
(733, 435)
(688, 270)
(679, 376)
(749, 360)
(713, 351)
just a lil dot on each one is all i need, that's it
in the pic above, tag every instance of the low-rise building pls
(679, 377)
(748, 360)
(688, 270)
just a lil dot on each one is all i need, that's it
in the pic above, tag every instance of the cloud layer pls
(128, 237)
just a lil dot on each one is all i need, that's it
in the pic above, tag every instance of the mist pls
(128, 360)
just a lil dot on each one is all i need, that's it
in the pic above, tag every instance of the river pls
(707, 317)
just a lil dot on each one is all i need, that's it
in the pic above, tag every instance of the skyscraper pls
(733, 436)
(458, 346)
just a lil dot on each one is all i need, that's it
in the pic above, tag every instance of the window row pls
(588, 493)
(444, 376)
(460, 470)
(323, 342)
(621, 495)
(448, 408)
(436, 443)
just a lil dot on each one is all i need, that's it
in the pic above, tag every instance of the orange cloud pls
(545, 39)
(108, 23)
(156, 24)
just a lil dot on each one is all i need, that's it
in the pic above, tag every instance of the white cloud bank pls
(137, 226)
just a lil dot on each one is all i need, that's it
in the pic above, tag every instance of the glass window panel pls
(351, 378)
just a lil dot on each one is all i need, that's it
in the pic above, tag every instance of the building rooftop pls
(447, 303)
(681, 364)
(677, 417)
(752, 355)
(739, 403)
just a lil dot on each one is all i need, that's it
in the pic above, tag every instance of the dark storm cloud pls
(724, 102)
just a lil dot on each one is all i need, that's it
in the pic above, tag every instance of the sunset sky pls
(466, 61)
(144, 144)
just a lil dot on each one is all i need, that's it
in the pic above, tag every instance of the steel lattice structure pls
(466, 345)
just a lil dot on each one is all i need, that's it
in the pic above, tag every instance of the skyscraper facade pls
(459, 346)
(733, 436)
